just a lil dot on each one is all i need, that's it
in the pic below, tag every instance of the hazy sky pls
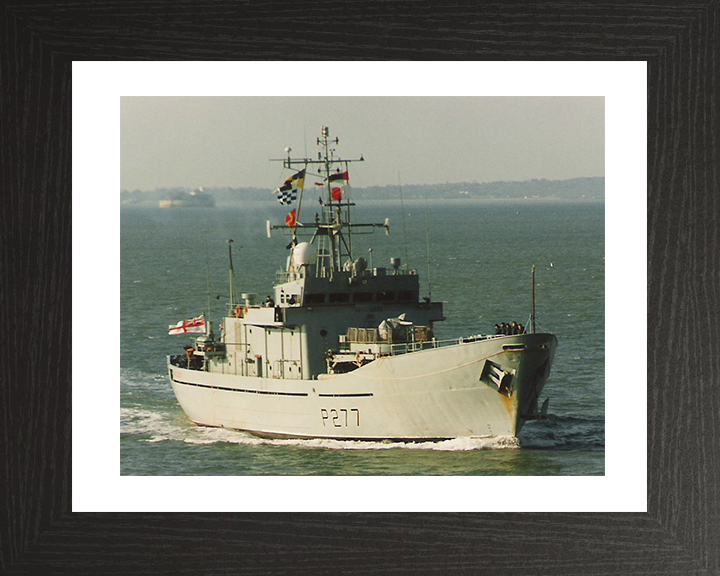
(226, 141)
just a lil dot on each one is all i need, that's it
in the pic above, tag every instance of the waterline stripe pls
(241, 390)
(360, 395)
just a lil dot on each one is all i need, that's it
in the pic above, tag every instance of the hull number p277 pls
(342, 418)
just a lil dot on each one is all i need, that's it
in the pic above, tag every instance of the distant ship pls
(196, 199)
(345, 350)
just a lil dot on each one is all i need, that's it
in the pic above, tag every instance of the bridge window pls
(363, 297)
(406, 296)
(315, 298)
(386, 296)
(339, 297)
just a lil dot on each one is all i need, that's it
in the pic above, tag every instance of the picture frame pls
(678, 535)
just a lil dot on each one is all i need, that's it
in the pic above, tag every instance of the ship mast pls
(333, 247)
(334, 209)
(329, 217)
(533, 299)
(232, 275)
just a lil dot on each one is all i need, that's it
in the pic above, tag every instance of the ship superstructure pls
(347, 350)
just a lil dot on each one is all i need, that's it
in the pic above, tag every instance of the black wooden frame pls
(680, 532)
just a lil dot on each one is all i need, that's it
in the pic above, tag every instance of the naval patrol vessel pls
(345, 350)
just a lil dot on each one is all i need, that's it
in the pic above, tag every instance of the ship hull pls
(482, 388)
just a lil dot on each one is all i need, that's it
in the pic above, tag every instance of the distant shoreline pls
(573, 189)
(253, 203)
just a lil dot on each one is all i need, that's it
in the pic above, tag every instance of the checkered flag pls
(287, 193)
(287, 196)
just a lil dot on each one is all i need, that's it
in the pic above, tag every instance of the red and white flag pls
(196, 325)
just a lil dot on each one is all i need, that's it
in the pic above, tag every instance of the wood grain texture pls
(681, 531)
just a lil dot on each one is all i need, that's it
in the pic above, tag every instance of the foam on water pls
(137, 421)
(212, 435)
(137, 379)
(159, 427)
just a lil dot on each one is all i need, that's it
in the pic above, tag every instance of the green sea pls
(476, 256)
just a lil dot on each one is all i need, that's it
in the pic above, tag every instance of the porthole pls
(323, 332)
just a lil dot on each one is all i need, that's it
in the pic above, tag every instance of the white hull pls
(345, 350)
(433, 394)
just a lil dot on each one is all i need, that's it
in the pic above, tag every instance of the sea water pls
(476, 256)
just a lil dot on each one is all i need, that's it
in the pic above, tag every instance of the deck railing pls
(407, 347)
(416, 345)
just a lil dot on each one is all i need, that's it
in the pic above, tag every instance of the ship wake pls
(159, 427)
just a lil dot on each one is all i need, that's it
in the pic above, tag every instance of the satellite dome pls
(304, 254)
